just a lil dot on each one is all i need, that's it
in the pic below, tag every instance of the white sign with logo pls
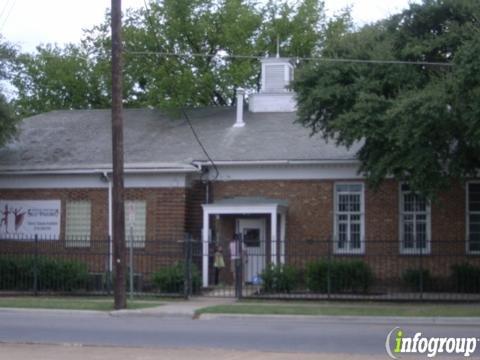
(23, 219)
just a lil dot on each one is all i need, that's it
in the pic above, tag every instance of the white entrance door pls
(253, 233)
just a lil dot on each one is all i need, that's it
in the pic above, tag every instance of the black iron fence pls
(85, 266)
(327, 269)
(303, 269)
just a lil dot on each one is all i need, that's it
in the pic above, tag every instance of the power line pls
(321, 59)
(254, 57)
(7, 15)
(201, 145)
(7, 3)
(152, 30)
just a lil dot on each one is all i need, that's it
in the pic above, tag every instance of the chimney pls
(239, 121)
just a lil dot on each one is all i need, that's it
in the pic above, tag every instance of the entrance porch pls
(259, 222)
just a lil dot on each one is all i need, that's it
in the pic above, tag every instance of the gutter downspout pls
(110, 220)
(206, 244)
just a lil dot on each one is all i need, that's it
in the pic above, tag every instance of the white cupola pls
(274, 95)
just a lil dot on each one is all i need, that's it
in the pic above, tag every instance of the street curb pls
(373, 320)
(112, 313)
(126, 313)
(54, 311)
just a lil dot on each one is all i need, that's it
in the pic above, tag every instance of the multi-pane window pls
(349, 218)
(77, 223)
(473, 218)
(414, 222)
(135, 222)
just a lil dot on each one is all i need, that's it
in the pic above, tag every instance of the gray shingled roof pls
(81, 139)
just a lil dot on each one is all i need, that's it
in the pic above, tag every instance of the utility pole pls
(118, 217)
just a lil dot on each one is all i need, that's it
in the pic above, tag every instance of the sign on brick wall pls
(26, 218)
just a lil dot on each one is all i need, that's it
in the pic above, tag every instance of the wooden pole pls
(118, 217)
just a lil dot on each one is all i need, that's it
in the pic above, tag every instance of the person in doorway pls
(218, 263)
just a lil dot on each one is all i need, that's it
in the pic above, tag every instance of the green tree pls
(59, 78)
(418, 123)
(7, 117)
(78, 76)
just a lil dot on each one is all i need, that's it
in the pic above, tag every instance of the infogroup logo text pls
(397, 343)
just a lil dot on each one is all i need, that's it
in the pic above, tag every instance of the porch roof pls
(246, 205)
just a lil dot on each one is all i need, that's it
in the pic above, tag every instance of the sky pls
(29, 23)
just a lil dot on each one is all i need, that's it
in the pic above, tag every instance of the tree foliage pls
(7, 116)
(418, 123)
(59, 78)
(78, 76)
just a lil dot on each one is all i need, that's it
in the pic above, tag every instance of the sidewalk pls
(188, 309)
(178, 308)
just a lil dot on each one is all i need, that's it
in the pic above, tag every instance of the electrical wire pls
(7, 16)
(4, 8)
(152, 27)
(322, 59)
(217, 173)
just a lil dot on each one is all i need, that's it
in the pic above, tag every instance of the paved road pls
(305, 335)
(59, 352)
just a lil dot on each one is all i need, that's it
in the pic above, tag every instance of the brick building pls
(271, 182)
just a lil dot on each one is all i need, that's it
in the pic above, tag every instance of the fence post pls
(239, 269)
(187, 277)
(35, 267)
(131, 263)
(109, 267)
(329, 259)
(421, 285)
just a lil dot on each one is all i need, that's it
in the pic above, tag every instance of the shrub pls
(417, 279)
(52, 274)
(345, 276)
(466, 277)
(279, 278)
(170, 279)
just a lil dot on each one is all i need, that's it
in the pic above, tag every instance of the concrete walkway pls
(181, 308)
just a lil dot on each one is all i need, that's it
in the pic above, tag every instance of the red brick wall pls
(195, 197)
(310, 208)
(310, 203)
(310, 217)
(165, 225)
(174, 211)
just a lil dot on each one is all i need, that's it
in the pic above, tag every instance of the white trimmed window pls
(473, 218)
(78, 215)
(415, 233)
(349, 232)
(135, 222)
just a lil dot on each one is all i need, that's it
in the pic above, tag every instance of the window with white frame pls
(473, 218)
(414, 222)
(135, 222)
(78, 216)
(349, 219)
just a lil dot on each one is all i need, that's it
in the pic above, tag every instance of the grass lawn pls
(72, 303)
(346, 309)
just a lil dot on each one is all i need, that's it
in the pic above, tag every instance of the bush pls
(417, 279)
(170, 279)
(279, 278)
(466, 277)
(52, 274)
(345, 276)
